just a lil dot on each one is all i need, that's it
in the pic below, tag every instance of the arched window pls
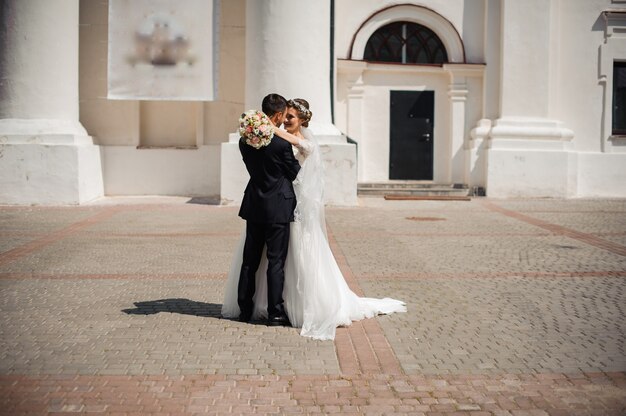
(407, 43)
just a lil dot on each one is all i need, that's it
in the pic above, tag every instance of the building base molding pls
(340, 169)
(51, 131)
(525, 133)
(161, 171)
(49, 174)
(48, 162)
(601, 175)
(524, 157)
(531, 173)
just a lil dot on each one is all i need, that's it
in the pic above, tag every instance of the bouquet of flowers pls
(255, 128)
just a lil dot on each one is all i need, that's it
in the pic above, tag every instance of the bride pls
(317, 297)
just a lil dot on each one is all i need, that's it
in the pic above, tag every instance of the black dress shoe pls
(244, 317)
(280, 320)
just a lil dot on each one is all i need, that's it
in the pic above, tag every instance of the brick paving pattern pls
(515, 307)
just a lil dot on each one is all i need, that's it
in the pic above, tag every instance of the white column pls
(288, 52)
(529, 151)
(48, 156)
(525, 58)
(40, 65)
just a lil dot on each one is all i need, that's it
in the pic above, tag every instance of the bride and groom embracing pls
(283, 269)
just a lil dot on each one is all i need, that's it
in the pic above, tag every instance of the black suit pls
(267, 206)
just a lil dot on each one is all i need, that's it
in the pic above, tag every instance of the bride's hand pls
(284, 134)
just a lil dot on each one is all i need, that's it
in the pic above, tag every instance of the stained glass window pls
(406, 43)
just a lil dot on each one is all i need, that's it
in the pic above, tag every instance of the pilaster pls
(529, 151)
(457, 93)
(48, 157)
(354, 70)
(461, 159)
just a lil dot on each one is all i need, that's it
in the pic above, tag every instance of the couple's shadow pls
(176, 305)
(179, 305)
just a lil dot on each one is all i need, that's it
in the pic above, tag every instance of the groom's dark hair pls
(273, 103)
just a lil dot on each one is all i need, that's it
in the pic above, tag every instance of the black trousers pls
(276, 238)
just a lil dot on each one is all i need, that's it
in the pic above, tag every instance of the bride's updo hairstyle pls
(302, 108)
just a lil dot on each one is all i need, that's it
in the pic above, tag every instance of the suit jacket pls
(269, 195)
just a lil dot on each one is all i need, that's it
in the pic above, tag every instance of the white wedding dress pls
(317, 297)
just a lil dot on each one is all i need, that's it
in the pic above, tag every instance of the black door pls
(411, 135)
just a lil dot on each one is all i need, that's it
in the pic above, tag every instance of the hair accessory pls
(301, 109)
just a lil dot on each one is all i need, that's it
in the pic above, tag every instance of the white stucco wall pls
(530, 149)
(174, 172)
(579, 102)
(526, 58)
(541, 95)
(451, 20)
(132, 123)
(373, 145)
(465, 15)
(109, 122)
(376, 81)
(524, 173)
(121, 126)
(561, 85)
(544, 101)
(601, 175)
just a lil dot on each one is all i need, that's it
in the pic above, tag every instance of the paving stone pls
(95, 323)
(514, 307)
(506, 324)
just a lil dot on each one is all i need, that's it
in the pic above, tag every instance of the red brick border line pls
(167, 235)
(366, 234)
(353, 285)
(584, 237)
(475, 395)
(128, 276)
(564, 211)
(361, 347)
(179, 207)
(492, 275)
(21, 234)
(25, 249)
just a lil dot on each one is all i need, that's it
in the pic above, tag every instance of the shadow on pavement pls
(176, 305)
(205, 200)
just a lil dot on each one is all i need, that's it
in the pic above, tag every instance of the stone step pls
(459, 192)
(416, 188)
(394, 184)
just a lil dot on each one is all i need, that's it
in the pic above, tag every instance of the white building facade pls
(521, 98)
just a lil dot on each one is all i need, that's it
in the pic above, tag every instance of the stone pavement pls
(515, 307)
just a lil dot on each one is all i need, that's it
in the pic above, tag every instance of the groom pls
(267, 206)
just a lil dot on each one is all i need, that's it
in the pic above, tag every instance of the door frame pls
(362, 112)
